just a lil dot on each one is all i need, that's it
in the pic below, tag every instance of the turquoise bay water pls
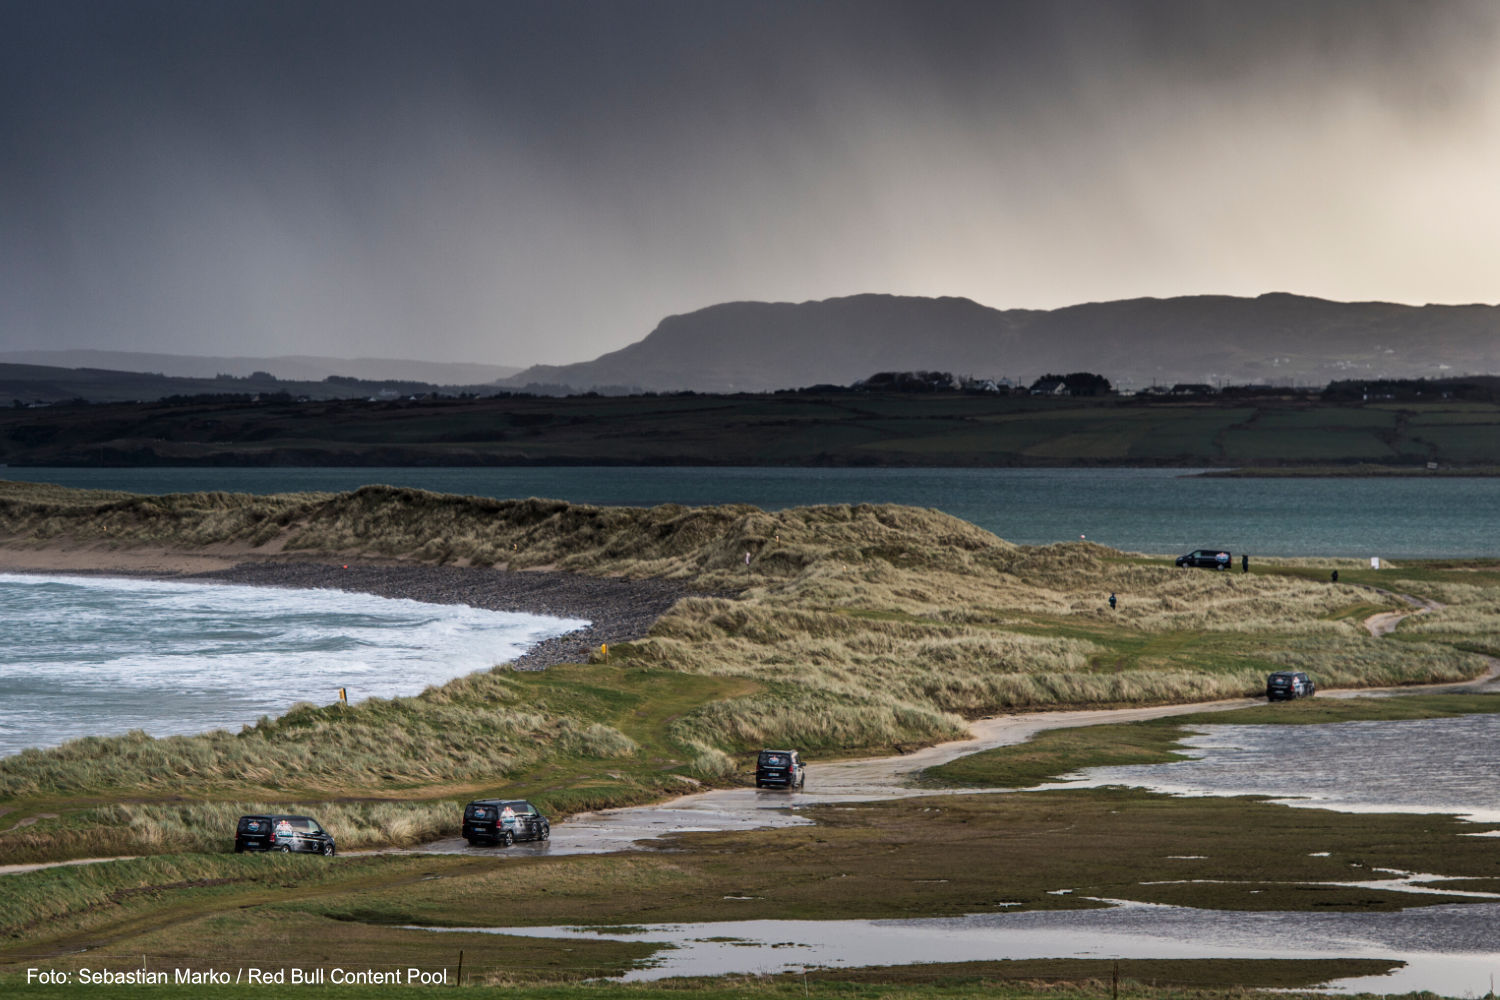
(1140, 510)
(98, 656)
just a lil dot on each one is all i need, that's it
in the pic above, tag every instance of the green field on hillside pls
(774, 429)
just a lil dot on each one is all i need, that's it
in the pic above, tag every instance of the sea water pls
(91, 656)
(1139, 510)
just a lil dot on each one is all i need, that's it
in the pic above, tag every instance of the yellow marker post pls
(604, 650)
(343, 696)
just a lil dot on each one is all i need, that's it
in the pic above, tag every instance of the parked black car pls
(504, 821)
(779, 769)
(1284, 685)
(276, 832)
(1207, 558)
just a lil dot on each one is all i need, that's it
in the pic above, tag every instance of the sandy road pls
(1385, 622)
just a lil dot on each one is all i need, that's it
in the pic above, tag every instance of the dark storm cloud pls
(518, 182)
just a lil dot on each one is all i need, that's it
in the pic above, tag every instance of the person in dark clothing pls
(1111, 602)
(1244, 563)
(1335, 576)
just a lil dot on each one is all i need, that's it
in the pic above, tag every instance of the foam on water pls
(100, 656)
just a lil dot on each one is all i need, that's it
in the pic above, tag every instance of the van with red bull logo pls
(504, 821)
(276, 832)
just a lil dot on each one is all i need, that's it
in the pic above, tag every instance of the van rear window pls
(254, 824)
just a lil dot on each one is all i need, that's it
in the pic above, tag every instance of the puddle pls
(1414, 766)
(623, 829)
(1415, 883)
(1448, 949)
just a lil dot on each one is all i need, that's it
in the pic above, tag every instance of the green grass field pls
(781, 429)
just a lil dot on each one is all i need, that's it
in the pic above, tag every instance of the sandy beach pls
(618, 610)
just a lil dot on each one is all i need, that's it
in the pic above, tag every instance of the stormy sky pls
(515, 182)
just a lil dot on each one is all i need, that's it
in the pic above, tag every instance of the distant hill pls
(1274, 338)
(292, 368)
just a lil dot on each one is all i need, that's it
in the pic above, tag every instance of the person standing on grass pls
(1244, 562)
(1111, 601)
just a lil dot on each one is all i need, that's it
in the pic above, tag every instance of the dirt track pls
(1385, 622)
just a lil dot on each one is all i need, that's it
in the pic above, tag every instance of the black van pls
(779, 769)
(1285, 685)
(1207, 558)
(504, 821)
(275, 832)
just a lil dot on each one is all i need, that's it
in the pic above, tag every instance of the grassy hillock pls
(705, 545)
(852, 629)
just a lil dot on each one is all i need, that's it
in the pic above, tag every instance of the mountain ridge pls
(1278, 337)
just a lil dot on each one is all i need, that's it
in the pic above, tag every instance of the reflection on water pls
(1449, 949)
(1420, 766)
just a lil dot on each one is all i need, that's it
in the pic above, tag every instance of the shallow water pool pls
(1413, 766)
(1449, 949)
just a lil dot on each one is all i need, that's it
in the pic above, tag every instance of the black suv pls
(1284, 685)
(779, 769)
(504, 821)
(1206, 559)
(275, 832)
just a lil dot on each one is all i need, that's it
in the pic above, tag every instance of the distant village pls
(1484, 388)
